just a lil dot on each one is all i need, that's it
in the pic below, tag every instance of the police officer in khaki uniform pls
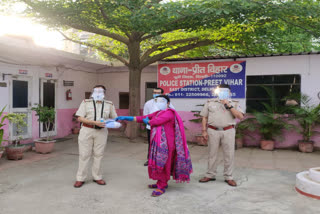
(218, 122)
(93, 136)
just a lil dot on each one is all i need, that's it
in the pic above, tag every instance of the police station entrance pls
(20, 102)
(48, 91)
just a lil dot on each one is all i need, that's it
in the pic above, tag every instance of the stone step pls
(314, 174)
(306, 186)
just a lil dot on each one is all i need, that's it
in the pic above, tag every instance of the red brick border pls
(307, 194)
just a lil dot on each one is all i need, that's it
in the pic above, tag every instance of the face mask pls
(161, 103)
(155, 95)
(98, 94)
(224, 94)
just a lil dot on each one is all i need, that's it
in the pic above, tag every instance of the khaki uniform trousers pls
(227, 141)
(91, 143)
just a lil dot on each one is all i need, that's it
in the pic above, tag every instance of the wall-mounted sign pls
(3, 84)
(197, 79)
(68, 83)
(21, 71)
(48, 74)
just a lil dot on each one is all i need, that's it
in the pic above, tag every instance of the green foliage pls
(196, 114)
(308, 116)
(18, 120)
(46, 115)
(270, 125)
(2, 124)
(270, 122)
(243, 126)
(185, 28)
(138, 33)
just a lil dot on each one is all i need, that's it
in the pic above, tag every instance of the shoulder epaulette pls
(212, 100)
(108, 101)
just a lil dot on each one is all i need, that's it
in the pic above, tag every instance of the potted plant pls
(241, 127)
(15, 150)
(75, 129)
(270, 122)
(46, 115)
(270, 126)
(1, 130)
(307, 115)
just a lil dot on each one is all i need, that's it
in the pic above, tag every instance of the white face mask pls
(98, 94)
(161, 103)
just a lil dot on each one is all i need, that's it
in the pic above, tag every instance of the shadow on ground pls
(43, 183)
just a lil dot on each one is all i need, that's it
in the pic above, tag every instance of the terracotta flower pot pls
(15, 152)
(27, 148)
(43, 146)
(239, 143)
(200, 140)
(267, 145)
(305, 146)
(75, 130)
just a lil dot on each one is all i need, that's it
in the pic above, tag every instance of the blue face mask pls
(161, 103)
(155, 95)
(224, 94)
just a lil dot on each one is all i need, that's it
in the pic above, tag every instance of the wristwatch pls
(227, 107)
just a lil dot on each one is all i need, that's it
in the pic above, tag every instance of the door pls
(48, 93)
(20, 103)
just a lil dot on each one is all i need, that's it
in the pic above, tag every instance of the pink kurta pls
(167, 119)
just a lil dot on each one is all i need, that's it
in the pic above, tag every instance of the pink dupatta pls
(158, 153)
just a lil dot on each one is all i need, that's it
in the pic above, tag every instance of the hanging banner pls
(198, 79)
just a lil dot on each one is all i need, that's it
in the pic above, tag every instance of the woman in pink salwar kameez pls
(169, 153)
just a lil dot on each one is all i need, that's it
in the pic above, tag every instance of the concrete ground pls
(44, 183)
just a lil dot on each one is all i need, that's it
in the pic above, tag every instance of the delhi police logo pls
(236, 68)
(165, 70)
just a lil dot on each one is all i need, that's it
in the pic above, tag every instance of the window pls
(149, 90)
(124, 100)
(281, 85)
(20, 94)
(87, 95)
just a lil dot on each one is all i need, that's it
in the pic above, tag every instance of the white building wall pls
(117, 82)
(308, 66)
(305, 65)
(83, 82)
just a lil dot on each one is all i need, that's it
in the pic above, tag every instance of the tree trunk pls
(133, 130)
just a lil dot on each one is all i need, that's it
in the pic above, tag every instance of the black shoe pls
(146, 163)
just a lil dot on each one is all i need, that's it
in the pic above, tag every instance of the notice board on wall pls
(198, 79)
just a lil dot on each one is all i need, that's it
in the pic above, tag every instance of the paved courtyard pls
(44, 183)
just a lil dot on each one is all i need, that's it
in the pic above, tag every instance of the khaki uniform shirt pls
(217, 114)
(86, 110)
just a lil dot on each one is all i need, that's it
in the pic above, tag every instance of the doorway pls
(20, 102)
(48, 91)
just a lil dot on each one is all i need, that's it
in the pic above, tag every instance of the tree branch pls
(97, 31)
(88, 28)
(109, 53)
(163, 31)
(299, 26)
(103, 13)
(156, 47)
(172, 52)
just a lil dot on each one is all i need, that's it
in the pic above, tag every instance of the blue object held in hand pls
(146, 120)
(127, 118)
(112, 124)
